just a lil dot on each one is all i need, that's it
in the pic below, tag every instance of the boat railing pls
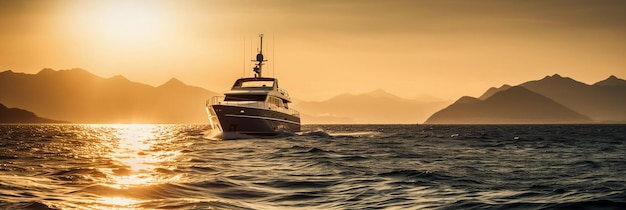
(215, 100)
(219, 100)
(283, 92)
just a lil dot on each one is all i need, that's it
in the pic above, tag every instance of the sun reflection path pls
(113, 202)
(138, 156)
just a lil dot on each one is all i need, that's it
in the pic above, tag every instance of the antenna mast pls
(259, 59)
(243, 62)
(274, 55)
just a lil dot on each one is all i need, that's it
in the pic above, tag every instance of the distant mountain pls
(515, 105)
(467, 100)
(377, 106)
(78, 96)
(174, 95)
(611, 81)
(15, 115)
(492, 91)
(602, 102)
(324, 119)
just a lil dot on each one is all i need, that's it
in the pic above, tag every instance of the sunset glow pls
(125, 23)
(440, 49)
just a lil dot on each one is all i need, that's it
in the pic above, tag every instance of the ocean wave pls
(324, 167)
(299, 184)
(340, 134)
(317, 133)
(414, 174)
(78, 174)
(33, 205)
(143, 192)
(591, 205)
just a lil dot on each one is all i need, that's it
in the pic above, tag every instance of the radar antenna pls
(259, 59)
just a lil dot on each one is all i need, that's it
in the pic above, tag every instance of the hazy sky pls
(322, 48)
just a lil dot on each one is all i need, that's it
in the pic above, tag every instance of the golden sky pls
(322, 48)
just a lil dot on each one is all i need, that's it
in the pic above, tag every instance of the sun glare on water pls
(136, 156)
(117, 201)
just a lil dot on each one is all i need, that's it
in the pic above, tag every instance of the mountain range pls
(16, 115)
(376, 107)
(553, 99)
(78, 96)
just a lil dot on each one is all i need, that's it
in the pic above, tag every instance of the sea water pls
(323, 167)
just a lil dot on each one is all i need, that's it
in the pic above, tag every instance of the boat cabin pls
(258, 89)
(257, 82)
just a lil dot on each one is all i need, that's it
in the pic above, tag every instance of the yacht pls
(254, 106)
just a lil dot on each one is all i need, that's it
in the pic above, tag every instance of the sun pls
(129, 21)
(117, 22)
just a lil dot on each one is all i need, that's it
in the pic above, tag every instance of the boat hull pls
(254, 121)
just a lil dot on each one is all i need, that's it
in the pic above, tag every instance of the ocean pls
(323, 167)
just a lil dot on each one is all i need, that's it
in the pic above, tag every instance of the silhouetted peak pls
(119, 78)
(612, 81)
(493, 90)
(66, 72)
(17, 115)
(50, 70)
(517, 89)
(173, 82)
(501, 88)
(11, 73)
(46, 71)
(467, 100)
(556, 78)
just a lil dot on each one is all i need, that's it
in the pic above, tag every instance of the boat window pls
(255, 84)
(275, 102)
(280, 103)
(242, 97)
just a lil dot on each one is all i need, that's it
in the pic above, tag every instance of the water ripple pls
(324, 167)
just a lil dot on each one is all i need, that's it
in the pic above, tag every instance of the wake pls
(218, 135)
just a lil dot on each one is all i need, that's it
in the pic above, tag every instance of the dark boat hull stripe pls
(264, 118)
(248, 120)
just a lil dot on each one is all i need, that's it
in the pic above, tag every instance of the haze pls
(319, 49)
